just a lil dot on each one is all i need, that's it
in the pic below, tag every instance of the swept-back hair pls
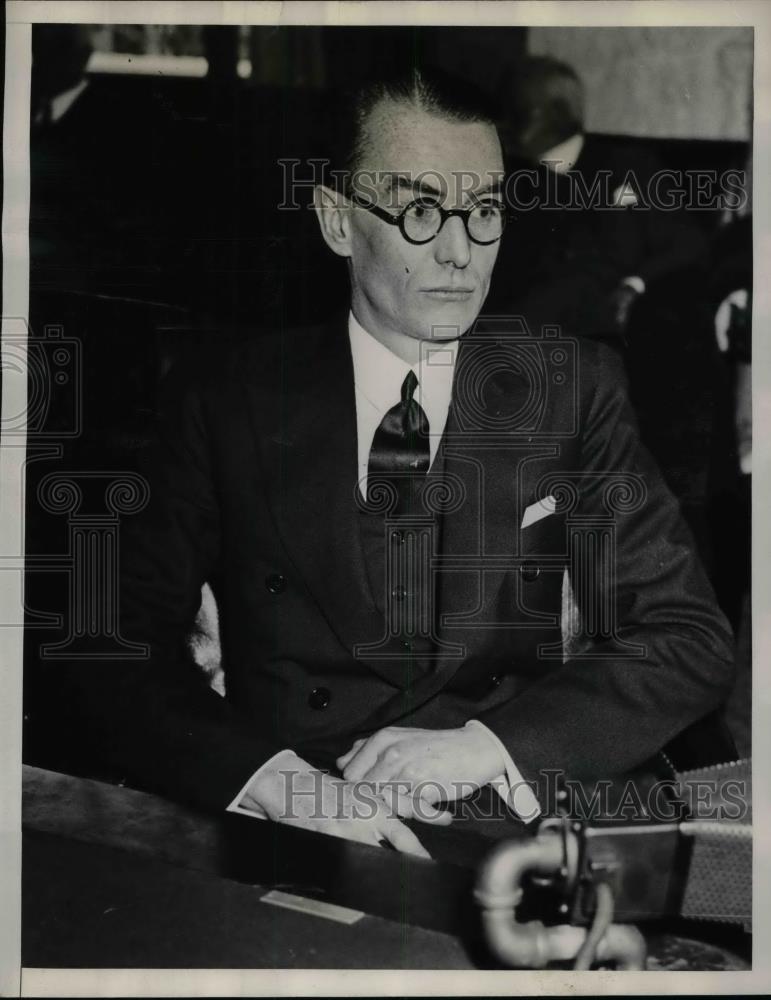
(425, 89)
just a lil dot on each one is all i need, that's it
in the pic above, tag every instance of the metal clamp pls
(552, 854)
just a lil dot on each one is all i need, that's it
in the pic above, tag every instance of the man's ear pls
(333, 210)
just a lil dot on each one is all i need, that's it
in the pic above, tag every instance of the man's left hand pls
(437, 764)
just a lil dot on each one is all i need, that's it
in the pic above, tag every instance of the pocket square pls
(539, 509)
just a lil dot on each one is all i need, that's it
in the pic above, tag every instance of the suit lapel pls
(310, 454)
(483, 457)
(311, 463)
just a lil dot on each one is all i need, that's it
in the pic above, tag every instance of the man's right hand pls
(291, 791)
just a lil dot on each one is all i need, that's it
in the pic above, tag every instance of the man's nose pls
(453, 245)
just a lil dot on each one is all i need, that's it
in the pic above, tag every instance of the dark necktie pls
(400, 455)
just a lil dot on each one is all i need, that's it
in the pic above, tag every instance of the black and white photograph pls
(377, 509)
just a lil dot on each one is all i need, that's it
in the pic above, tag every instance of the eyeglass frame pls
(445, 214)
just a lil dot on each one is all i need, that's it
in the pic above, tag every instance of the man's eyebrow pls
(405, 184)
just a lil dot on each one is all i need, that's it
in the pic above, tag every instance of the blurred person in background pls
(731, 473)
(101, 196)
(731, 468)
(60, 57)
(587, 251)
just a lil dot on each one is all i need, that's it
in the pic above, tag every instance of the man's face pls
(436, 289)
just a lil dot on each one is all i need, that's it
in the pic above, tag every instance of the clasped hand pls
(432, 765)
(396, 772)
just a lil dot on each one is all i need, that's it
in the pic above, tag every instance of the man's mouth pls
(448, 293)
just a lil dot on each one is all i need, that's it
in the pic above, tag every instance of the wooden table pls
(118, 878)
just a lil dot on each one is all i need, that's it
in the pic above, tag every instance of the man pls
(598, 240)
(378, 508)
(96, 194)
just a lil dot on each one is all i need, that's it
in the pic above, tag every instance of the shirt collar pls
(379, 373)
(564, 155)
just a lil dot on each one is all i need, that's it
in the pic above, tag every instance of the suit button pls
(319, 698)
(529, 572)
(398, 593)
(276, 583)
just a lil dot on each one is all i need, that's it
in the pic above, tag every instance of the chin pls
(451, 316)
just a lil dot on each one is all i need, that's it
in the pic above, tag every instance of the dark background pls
(154, 234)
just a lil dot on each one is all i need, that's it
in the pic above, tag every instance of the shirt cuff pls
(255, 811)
(636, 282)
(510, 785)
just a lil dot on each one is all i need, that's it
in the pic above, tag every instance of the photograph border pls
(21, 14)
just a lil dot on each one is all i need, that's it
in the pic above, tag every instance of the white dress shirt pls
(378, 375)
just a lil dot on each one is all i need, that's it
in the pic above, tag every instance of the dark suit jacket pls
(252, 489)
(559, 263)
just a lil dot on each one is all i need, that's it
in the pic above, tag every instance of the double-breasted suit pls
(254, 489)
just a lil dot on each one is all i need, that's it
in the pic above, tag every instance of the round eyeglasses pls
(421, 221)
